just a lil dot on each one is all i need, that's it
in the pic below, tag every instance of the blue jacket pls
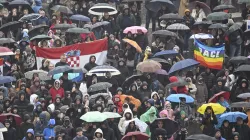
(38, 6)
(49, 132)
(29, 131)
(42, 20)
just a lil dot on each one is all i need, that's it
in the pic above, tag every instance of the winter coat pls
(29, 131)
(123, 121)
(24, 127)
(54, 91)
(22, 105)
(123, 21)
(42, 20)
(37, 6)
(209, 120)
(198, 16)
(192, 90)
(90, 65)
(11, 134)
(49, 132)
(183, 6)
(68, 129)
(239, 90)
(226, 132)
(189, 21)
(80, 138)
(243, 131)
(61, 64)
(209, 79)
(114, 126)
(202, 92)
(118, 104)
(108, 133)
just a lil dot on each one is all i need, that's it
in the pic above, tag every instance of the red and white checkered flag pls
(73, 61)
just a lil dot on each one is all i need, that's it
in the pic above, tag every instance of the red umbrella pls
(138, 135)
(203, 6)
(5, 116)
(214, 99)
(5, 51)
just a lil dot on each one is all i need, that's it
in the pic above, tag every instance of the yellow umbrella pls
(217, 108)
(134, 44)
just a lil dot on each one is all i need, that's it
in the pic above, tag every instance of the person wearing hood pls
(33, 99)
(98, 135)
(118, 103)
(127, 116)
(29, 135)
(167, 112)
(132, 127)
(78, 104)
(180, 89)
(66, 83)
(21, 102)
(155, 96)
(218, 87)
(201, 95)
(149, 117)
(144, 89)
(67, 126)
(111, 80)
(6, 105)
(48, 132)
(143, 108)
(133, 91)
(191, 87)
(91, 63)
(108, 133)
(67, 100)
(226, 130)
(198, 14)
(11, 133)
(58, 103)
(38, 6)
(79, 134)
(209, 120)
(243, 87)
(56, 89)
(242, 129)
(218, 135)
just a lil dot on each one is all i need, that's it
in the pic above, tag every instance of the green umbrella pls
(112, 115)
(94, 116)
(215, 16)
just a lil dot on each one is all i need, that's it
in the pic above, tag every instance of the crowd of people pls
(138, 97)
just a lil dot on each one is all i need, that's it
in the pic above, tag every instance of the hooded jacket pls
(33, 98)
(11, 133)
(118, 104)
(239, 90)
(22, 105)
(191, 88)
(29, 131)
(80, 138)
(56, 90)
(98, 131)
(25, 126)
(90, 65)
(108, 133)
(149, 117)
(69, 130)
(49, 132)
(202, 92)
(123, 120)
(38, 6)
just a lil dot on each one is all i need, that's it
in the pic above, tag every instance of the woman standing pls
(209, 120)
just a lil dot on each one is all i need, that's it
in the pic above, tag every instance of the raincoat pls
(37, 6)
(149, 117)
(49, 132)
(133, 100)
(123, 120)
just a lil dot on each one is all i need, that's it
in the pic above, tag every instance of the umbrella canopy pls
(203, 24)
(130, 80)
(16, 117)
(183, 64)
(179, 83)
(62, 9)
(6, 79)
(100, 8)
(178, 26)
(164, 33)
(137, 134)
(166, 53)
(10, 26)
(149, 66)
(64, 26)
(239, 60)
(240, 105)
(36, 30)
(140, 124)
(40, 38)
(24, 4)
(78, 31)
(3, 128)
(243, 1)
(176, 98)
(6, 41)
(155, 5)
(4, 51)
(41, 74)
(30, 17)
(93, 97)
(202, 36)
(65, 68)
(80, 18)
(99, 24)
(135, 30)
(171, 16)
(232, 116)
(233, 28)
(247, 32)
(223, 7)
(159, 60)
(102, 70)
(94, 116)
(202, 5)
(243, 69)
(218, 26)
(217, 108)
(134, 44)
(224, 94)
(99, 86)
(111, 115)
(215, 16)
(169, 125)
(200, 137)
(161, 72)
(244, 96)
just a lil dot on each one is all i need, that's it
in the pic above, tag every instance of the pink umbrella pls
(135, 30)
(5, 51)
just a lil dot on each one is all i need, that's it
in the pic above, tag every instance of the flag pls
(77, 54)
(1, 66)
(211, 57)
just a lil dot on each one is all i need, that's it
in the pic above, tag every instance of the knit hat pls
(183, 112)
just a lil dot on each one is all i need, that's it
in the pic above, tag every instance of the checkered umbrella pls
(102, 70)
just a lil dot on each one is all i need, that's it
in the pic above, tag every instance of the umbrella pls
(217, 108)
(171, 16)
(64, 26)
(130, 80)
(62, 9)
(134, 44)
(93, 97)
(243, 69)
(169, 125)
(215, 16)
(140, 124)
(183, 64)
(159, 60)
(176, 98)
(149, 66)
(100, 8)
(203, 6)
(6, 41)
(39, 38)
(78, 31)
(225, 94)
(111, 115)
(240, 105)
(218, 26)
(233, 28)
(166, 53)
(201, 36)
(244, 96)
(102, 70)
(36, 30)
(232, 116)
(137, 134)
(238, 60)
(164, 33)
(16, 117)
(94, 116)
(178, 26)
(41, 74)
(155, 5)
(65, 68)
(99, 86)
(247, 32)
(243, 1)
(204, 24)
(223, 7)
(161, 72)
(80, 18)
(17, 3)
(30, 17)
(179, 83)
(6, 79)
(135, 30)
(10, 26)
(99, 24)
(3, 128)
(200, 137)
(4, 51)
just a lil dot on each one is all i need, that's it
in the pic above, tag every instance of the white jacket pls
(122, 122)
(201, 15)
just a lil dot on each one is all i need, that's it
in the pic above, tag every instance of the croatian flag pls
(77, 54)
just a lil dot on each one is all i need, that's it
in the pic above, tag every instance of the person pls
(202, 92)
(198, 14)
(183, 6)
(25, 126)
(148, 117)
(243, 87)
(38, 6)
(218, 135)
(98, 135)
(11, 134)
(183, 107)
(209, 120)
(235, 40)
(48, 132)
(56, 90)
(42, 19)
(91, 63)
(63, 61)
(127, 116)
(242, 129)
(132, 127)
(29, 135)
(79, 134)
(223, 102)
(226, 130)
(189, 21)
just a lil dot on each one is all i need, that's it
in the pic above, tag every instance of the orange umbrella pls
(134, 44)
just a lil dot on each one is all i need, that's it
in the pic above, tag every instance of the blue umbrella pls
(232, 116)
(6, 79)
(168, 53)
(62, 69)
(184, 64)
(176, 98)
(80, 18)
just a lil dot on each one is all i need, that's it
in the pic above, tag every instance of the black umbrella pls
(200, 137)
(218, 16)
(177, 84)
(171, 16)
(239, 60)
(245, 69)
(155, 5)
(37, 30)
(223, 7)
(62, 9)
(131, 80)
(169, 125)
(65, 68)
(10, 26)
(99, 86)
(244, 96)
(30, 17)
(204, 24)
(164, 33)
(240, 105)
(23, 3)
(78, 31)
(64, 26)
(6, 41)
(218, 26)
(233, 28)
(247, 32)
(39, 38)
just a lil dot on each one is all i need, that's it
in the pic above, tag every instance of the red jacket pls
(118, 104)
(53, 92)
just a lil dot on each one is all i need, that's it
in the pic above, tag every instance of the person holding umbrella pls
(209, 120)
(198, 14)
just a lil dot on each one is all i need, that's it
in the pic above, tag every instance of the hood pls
(58, 96)
(130, 88)
(151, 101)
(128, 110)
(52, 107)
(125, 108)
(55, 82)
(151, 111)
(21, 93)
(52, 122)
(58, 39)
(30, 131)
(99, 131)
(163, 113)
(38, 2)
(66, 118)
(119, 89)
(189, 79)
(78, 97)
(173, 79)
(32, 98)
(245, 81)
(117, 96)
(144, 83)
(155, 93)
(45, 116)
(91, 57)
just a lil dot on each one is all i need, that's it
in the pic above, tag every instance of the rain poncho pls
(149, 117)
(49, 132)
(38, 6)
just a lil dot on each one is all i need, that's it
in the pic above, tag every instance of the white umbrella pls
(41, 74)
(141, 125)
(100, 8)
(101, 71)
(202, 36)
(178, 26)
